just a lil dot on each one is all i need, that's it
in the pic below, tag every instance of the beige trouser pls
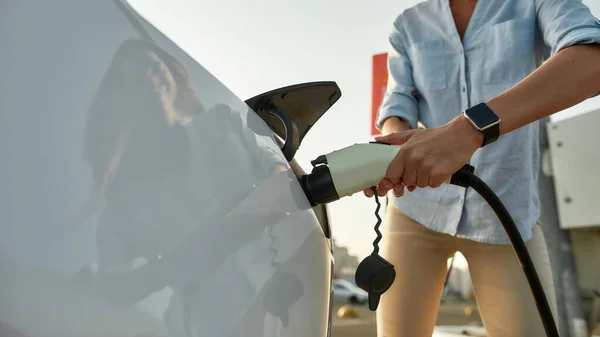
(409, 308)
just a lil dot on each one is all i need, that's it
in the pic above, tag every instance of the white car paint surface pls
(138, 195)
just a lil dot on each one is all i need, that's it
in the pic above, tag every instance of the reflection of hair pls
(132, 123)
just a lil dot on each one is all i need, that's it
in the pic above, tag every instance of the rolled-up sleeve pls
(565, 23)
(398, 99)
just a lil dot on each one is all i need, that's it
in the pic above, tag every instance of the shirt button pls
(463, 89)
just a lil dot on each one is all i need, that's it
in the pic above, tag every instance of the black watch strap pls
(491, 134)
(486, 121)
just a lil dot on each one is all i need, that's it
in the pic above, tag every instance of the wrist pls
(485, 120)
(395, 124)
(499, 105)
(464, 127)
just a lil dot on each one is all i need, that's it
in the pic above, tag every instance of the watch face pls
(482, 116)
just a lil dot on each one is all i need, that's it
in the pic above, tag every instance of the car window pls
(340, 287)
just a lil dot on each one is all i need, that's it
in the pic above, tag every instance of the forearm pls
(568, 78)
(393, 125)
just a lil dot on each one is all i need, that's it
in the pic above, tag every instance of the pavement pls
(451, 314)
(454, 316)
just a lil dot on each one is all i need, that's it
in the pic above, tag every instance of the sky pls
(253, 46)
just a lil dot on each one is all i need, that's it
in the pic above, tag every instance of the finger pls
(411, 188)
(437, 179)
(424, 176)
(394, 138)
(397, 138)
(382, 191)
(413, 164)
(423, 180)
(435, 182)
(386, 184)
(368, 193)
(395, 169)
(410, 177)
(398, 190)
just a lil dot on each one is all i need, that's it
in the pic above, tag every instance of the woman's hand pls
(429, 157)
(391, 125)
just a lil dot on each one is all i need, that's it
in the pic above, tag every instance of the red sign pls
(380, 77)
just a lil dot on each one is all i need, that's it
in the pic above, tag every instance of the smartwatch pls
(485, 120)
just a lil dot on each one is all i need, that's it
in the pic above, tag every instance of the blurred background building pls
(345, 263)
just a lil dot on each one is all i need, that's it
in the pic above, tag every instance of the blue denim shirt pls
(433, 77)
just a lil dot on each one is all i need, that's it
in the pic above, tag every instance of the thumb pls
(397, 138)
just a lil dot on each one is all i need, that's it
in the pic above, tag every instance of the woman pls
(139, 153)
(163, 170)
(457, 67)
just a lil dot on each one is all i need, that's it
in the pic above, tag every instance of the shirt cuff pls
(397, 105)
(580, 36)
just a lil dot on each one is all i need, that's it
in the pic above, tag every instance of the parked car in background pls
(346, 291)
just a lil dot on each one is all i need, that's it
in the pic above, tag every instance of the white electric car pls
(139, 197)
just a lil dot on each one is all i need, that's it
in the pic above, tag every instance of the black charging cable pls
(467, 178)
(375, 274)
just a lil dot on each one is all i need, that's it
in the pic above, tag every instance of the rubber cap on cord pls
(374, 275)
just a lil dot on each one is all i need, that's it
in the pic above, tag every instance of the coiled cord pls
(378, 223)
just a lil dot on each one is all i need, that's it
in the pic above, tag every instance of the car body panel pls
(139, 196)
